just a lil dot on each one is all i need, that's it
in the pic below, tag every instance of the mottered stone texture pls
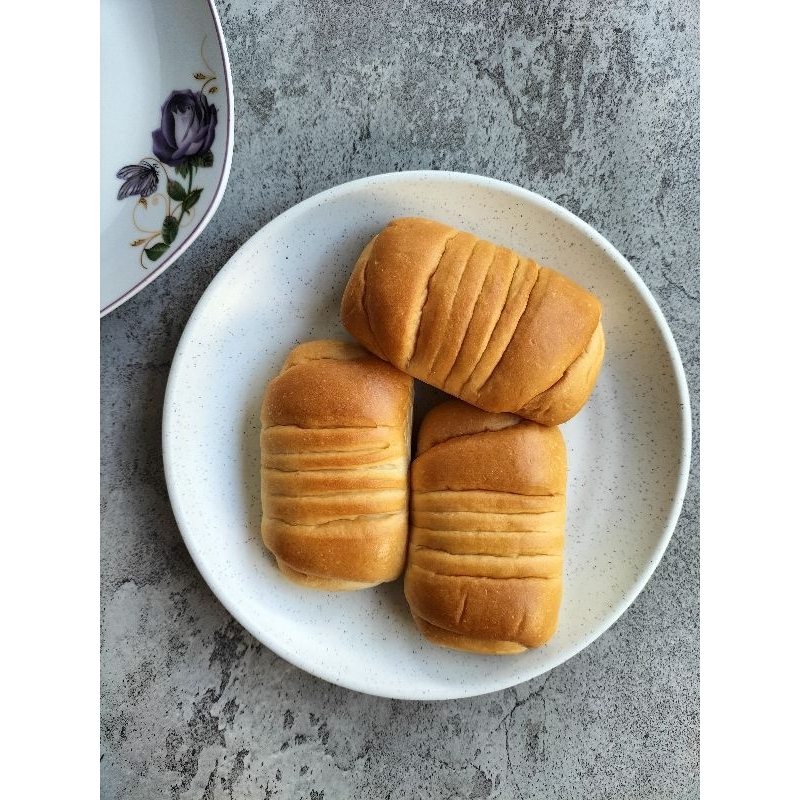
(591, 104)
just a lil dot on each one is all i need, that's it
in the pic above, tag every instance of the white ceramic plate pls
(628, 447)
(163, 68)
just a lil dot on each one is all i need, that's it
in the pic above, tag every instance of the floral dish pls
(166, 136)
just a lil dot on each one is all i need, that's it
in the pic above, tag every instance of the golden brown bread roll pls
(476, 320)
(484, 570)
(335, 449)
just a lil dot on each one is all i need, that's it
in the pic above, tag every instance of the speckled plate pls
(628, 447)
(166, 136)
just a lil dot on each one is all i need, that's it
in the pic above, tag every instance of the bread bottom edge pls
(321, 582)
(458, 641)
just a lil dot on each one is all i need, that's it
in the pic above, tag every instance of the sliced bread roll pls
(476, 320)
(484, 570)
(335, 450)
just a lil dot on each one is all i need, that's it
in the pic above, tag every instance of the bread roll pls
(335, 449)
(488, 508)
(476, 320)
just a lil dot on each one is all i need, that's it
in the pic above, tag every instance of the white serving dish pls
(628, 448)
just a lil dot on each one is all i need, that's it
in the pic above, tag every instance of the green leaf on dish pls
(191, 198)
(169, 230)
(175, 190)
(156, 251)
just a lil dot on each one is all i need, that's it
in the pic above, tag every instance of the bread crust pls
(476, 320)
(335, 450)
(488, 509)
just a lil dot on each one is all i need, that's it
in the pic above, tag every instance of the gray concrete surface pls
(594, 105)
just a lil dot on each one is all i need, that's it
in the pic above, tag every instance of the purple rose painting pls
(187, 127)
(183, 143)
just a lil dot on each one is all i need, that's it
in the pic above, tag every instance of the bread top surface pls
(462, 448)
(398, 266)
(329, 383)
(452, 418)
(473, 318)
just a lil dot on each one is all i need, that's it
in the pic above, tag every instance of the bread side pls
(488, 509)
(335, 449)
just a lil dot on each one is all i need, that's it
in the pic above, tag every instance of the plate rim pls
(245, 251)
(222, 183)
